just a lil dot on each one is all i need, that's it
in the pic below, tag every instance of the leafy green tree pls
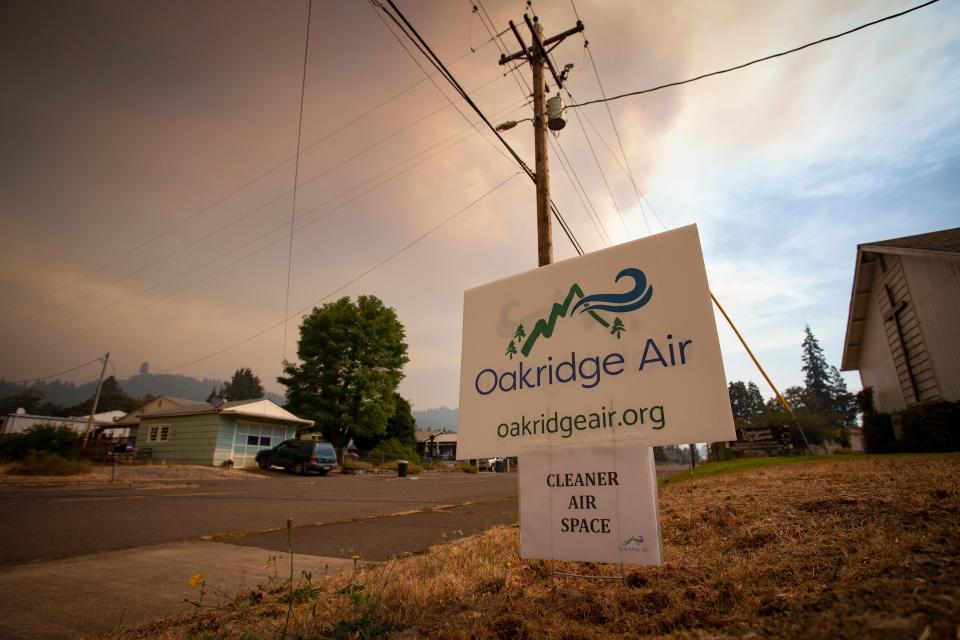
(745, 401)
(351, 358)
(843, 404)
(815, 372)
(401, 426)
(243, 386)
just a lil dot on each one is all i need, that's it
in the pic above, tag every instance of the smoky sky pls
(129, 128)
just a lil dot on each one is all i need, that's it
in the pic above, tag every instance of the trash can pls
(402, 468)
(501, 466)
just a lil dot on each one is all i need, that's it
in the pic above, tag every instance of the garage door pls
(249, 439)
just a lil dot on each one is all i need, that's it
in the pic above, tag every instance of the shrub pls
(351, 465)
(466, 467)
(932, 426)
(47, 464)
(878, 436)
(393, 449)
(412, 469)
(48, 438)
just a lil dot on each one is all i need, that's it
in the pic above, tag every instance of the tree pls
(351, 361)
(511, 350)
(401, 427)
(28, 400)
(243, 386)
(112, 398)
(745, 401)
(816, 375)
(145, 369)
(843, 404)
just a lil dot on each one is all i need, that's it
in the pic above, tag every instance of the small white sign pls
(590, 503)
(618, 343)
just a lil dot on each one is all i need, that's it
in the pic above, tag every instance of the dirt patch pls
(867, 548)
(134, 474)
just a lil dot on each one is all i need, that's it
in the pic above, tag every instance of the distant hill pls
(68, 394)
(437, 418)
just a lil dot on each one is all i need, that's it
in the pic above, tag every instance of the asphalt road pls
(44, 523)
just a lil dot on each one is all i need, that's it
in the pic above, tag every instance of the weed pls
(48, 464)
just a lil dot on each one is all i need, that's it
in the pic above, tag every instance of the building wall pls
(15, 423)
(192, 439)
(935, 287)
(907, 344)
(876, 365)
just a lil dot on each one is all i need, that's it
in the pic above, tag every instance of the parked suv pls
(300, 456)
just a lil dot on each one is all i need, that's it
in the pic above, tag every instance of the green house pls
(208, 434)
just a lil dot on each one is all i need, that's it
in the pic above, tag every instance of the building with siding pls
(189, 432)
(903, 327)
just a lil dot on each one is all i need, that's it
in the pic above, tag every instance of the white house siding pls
(913, 347)
(876, 365)
(935, 286)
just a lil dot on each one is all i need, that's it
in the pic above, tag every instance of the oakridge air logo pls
(632, 300)
(588, 371)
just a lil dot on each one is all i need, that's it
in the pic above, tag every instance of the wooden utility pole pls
(96, 400)
(537, 56)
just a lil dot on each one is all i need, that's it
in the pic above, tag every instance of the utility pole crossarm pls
(526, 51)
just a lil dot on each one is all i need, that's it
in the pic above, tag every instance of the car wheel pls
(263, 463)
(299, 469)
(322, 472)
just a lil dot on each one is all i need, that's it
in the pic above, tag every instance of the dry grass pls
(126, 474)
(859, 549)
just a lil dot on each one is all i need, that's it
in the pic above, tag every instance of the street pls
(83, 560)
(41, 523)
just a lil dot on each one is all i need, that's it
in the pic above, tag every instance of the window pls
(159, 433)
(264, 441)
(254, 440)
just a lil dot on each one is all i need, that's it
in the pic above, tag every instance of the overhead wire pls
(757, 60)
(54, 375)
(249, 255)
(565, 162)
(296, 173)
(415, 36)
(219, 230)
(353, 280)
(220, 200)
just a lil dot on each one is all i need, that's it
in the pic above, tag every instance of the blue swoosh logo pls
(632, 300)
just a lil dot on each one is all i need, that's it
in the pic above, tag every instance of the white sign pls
(620, 342)
(590, 503)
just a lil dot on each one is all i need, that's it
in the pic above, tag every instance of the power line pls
(54, 375)
(415, 37)
(527, 90)
(346, 284)
(296, 174)
(249, 255)
(758, 60)
(199, 213)
(219, 230)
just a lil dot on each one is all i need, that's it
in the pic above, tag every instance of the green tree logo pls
(617, 328)
(511, 349)
(520, 334)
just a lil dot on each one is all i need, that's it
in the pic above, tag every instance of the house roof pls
(943, 244)
(133, 418)
(261, 408)
(438, 436)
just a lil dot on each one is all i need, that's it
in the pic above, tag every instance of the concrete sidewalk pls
(90, 595)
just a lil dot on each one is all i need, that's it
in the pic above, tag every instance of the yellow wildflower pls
(195, 580)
